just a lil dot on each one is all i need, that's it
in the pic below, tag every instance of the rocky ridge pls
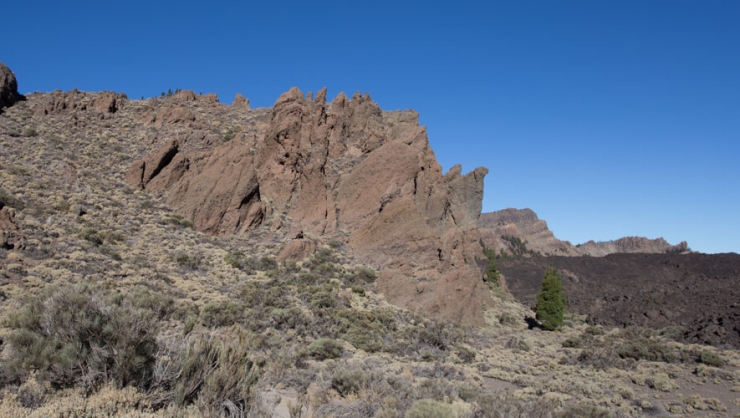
(343, 170)
(498, 228)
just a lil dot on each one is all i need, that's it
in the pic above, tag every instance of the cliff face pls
(346, 170)
(497, 229)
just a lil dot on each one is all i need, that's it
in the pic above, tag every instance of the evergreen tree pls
(551, 301)
(493, 277)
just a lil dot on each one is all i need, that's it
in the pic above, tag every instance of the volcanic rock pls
(100, 105)
(498, 228)
(8, 87)
(241, 102)
(185, 95)
(346, 169)
(699, 292)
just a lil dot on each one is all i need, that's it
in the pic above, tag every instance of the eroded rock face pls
(101, 105)
(8, 87)
(343, 169)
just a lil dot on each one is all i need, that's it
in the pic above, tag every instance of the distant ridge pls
(504, 229)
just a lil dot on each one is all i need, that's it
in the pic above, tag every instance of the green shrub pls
(364, 337)
(187, 261)
(220, 314)
(230, 134)
(646, 349)
(467, 392)
(234, 259)
(508, 405)
(326, 348)
(572, 342)
(427, 408)
(177, 220)
(348, 381)
(91, 235)
(551, 301)
(7, 199)
(77, 335)
(711, 359)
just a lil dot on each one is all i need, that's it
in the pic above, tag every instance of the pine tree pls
(551, 301)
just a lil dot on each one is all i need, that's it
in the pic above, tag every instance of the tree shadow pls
(532, 323)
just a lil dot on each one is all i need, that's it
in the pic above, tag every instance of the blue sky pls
(606, 118)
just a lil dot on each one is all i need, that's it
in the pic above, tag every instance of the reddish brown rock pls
(342, 169)
(209, 98)
(100, 105)
(297, 250)
(497, 229)
(108, 102)
(142, 171)
(185, 95)
(240, 102)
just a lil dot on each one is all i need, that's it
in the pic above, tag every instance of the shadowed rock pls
(8, 87)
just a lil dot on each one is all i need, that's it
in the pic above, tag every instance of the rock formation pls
(344, 169)
(8, 87)
(240, 101)
(102, 105)
(497, 229)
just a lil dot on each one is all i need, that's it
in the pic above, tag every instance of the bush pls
(91, 235)
(551, 301)
(427, 408)
(215, 374)
(346, 381)
(507, 405)
(77, 335)
(326, 348)
(7, 199)
(646, 349)
(187, 261)
(177, 220)
(711, 359)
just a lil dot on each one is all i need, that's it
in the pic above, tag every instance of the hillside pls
(166, 258)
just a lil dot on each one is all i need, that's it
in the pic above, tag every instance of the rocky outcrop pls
(8, 87)
(500, 229)
(523, 224)
(632, 245)
(99, 105)
(343, 169)
(240, 102)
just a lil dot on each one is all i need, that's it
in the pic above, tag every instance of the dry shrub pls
(78, 335)
(507, 405)
(427, 408)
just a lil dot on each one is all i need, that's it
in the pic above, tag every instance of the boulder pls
(8, 87)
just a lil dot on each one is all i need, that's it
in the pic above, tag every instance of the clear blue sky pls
(606, 118)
